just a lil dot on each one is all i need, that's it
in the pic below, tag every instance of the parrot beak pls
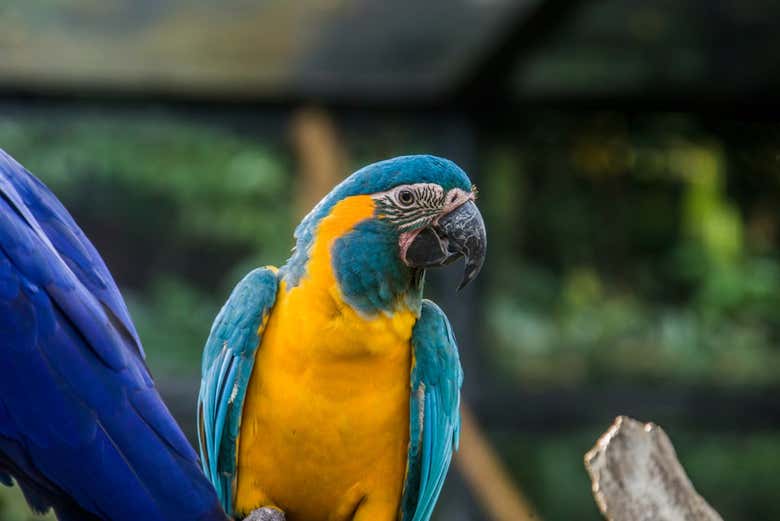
(459, 233)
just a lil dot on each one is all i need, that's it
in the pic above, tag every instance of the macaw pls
(330, 388)
(82, 427)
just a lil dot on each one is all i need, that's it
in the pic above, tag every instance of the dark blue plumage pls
(82, 427)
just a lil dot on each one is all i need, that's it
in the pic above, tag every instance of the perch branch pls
(265, 514)
(636, 476)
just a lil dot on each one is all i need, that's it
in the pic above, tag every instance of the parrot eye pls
(405, 197)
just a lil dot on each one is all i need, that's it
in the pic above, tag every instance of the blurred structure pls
(628, 155)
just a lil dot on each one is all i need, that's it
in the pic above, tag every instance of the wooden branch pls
(265, 514)
(636, 476)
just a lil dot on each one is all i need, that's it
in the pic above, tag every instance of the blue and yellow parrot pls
(82, 427)
(330, 387)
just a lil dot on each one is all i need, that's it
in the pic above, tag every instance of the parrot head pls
(415, 213)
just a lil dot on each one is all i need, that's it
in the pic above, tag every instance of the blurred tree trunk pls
(486, 475)
(322, 158)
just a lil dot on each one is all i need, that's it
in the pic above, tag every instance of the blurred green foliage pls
(628, 258)
(13, 507)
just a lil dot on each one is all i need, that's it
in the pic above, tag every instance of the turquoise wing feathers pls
(228, 359)
(434, 412)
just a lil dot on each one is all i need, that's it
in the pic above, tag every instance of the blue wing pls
(82, 427)
(228, 359)
(433, 412)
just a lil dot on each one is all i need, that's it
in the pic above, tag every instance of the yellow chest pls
(326, 416)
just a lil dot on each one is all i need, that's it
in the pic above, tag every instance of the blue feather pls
(228, 359)
(82, 427)
(366, 263)
(434, 412)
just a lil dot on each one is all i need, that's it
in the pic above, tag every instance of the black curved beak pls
(460, 233)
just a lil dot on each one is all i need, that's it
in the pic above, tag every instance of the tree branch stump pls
(636, 476)
(265, 514)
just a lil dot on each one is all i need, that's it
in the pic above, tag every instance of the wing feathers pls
(228, 359)
(434, 412)
(82, 428)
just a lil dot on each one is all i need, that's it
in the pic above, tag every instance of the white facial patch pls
(411, 206)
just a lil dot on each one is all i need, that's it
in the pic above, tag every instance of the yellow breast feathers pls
(325, 427)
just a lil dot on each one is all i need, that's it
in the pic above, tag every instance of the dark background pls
(627, 154)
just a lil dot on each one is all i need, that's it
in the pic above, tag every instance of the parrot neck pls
(354, 259)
